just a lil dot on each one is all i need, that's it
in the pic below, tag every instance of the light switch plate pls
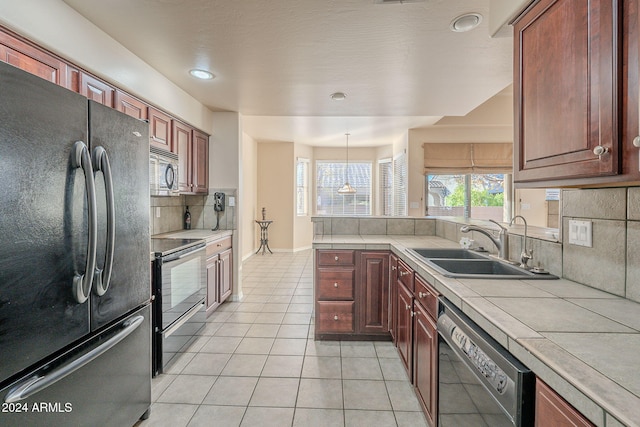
(580, 233)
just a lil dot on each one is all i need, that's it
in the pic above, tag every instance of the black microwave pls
(163, 173)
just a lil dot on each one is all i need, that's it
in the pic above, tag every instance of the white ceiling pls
(277, 61)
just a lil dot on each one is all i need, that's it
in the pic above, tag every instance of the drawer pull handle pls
(335, 317)
(335, 285)
(337, 258)
(422, 294)
(404, 273)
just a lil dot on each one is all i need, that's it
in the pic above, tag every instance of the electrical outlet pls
(232, 201)
(580, 233)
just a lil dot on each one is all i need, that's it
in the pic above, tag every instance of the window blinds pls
(468, 158)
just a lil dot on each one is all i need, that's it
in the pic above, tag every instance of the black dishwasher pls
(479, 382)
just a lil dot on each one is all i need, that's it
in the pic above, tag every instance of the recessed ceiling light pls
(201, 74)
(466, 22)
(338, 96)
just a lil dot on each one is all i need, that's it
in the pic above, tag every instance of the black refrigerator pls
(74, 258)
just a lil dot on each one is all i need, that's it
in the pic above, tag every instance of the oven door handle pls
(183, 319)
(180, 255)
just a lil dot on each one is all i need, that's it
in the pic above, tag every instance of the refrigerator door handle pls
(103, 276)
(38, 382)
(82, 282)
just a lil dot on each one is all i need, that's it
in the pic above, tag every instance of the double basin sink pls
(465, 263)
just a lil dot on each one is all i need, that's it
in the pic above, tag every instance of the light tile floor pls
(258, 365)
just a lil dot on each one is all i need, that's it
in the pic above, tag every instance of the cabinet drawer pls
(336, 257)
(336, 284)
(427, 296)
(335, 316)
(218, 246)
(405, 275)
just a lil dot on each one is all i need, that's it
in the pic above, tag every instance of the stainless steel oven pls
(179, 289)
(479, 382)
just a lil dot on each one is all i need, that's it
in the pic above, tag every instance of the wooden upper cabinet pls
(96, 90)
(182, 142)
(131, 106)
(32, 60)
(566, 90)
(160, 130)
(200, 162)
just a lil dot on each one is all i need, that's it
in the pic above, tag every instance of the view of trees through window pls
(446, 195)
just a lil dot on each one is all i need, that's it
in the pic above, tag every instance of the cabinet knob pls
(393, 267)
(407, 307)
(335, 317)
(422, 294)
(404, 273)
(336, 258)
(335, 285)
(414, 313)
(600, 150)
(636, 141)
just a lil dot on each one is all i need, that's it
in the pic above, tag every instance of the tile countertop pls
(583, 342)
(198, 233)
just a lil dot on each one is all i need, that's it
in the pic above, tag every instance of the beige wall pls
(86, 45)
(249, 188)
(276, 173)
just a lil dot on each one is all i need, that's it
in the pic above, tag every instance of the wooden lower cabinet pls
(352, 294)
(425, 361)
(393, 295)
(373, 289)
(404, 326)
(219, 273)
(335, 317)
(553, 410)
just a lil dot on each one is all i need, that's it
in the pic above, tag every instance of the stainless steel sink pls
(463, 263)
(446, 253)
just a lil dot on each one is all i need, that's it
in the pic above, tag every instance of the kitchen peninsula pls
(579, 340)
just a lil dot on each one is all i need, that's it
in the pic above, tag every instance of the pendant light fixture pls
(347, 188)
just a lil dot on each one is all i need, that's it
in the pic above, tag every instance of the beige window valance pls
(461, 158)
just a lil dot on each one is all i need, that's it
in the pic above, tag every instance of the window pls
(302, 187)
(385, 174)
(447, 195)
(400, 185)
(330, 176)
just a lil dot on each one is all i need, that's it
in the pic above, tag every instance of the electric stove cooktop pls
(164, 246)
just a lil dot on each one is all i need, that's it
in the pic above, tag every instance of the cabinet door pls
(200, 163)
(372, 292)
(32, 60)
(425, 361)
(213, 300)
(566, 90)
(553, 410)
(225, 275)
(182, 143)
(403, 325)
(96, 90)
(160, 130)
(131, 106)
(393, 295)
